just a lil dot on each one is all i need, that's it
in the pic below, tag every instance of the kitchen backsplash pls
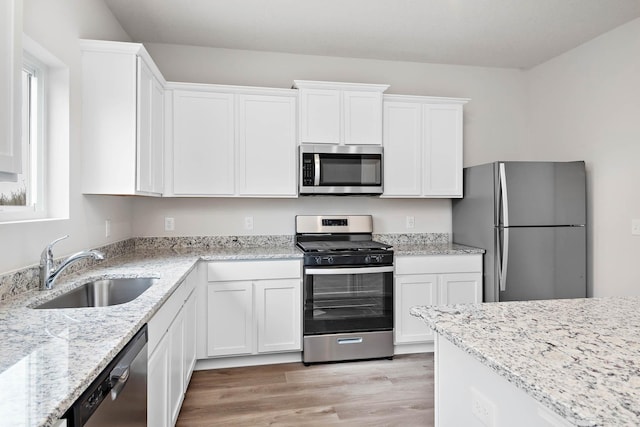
(26, 279)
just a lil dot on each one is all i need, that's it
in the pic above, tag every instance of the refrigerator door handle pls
(504, 261)
(504, 199)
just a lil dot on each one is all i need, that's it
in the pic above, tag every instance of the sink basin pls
(101, 293)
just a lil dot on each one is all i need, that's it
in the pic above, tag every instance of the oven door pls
(354, 299)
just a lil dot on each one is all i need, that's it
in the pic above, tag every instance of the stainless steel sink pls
(101, 293)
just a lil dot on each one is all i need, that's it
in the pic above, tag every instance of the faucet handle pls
(49, 248)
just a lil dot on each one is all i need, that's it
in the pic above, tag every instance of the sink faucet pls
(48, 274)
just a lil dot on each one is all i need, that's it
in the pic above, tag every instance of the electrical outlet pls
(248, 223)
(635, 227)
(411, 221)
(169, 223)
(107, 228)
(483, 409)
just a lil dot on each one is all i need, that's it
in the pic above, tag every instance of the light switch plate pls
(248, 223)
(169, 224)
(635, 227)
(411, 222)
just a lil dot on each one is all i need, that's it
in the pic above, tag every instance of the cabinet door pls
(229, 318)
(10, 84)
(402, 149)
(149, 131)
(203, 143)
(320, 116)
(362, 117)
(278, 311)
(176, 365)
(411, 290)
(460, 288)
(144, 146)
(157, 137)
(267, 145)
(442, 127)
(158, 385)
(189, 310)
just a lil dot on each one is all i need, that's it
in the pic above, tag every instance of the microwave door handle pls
(316, 169)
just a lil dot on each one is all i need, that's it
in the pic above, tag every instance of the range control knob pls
(367, 259)
(318, 260)
(377, 258)
(330, 259)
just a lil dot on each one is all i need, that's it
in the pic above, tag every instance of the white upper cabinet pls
(231, 141)
(340, 113)
(203, 143)
(266, 145)
(123, 120)
(10, 84)
(422, 146)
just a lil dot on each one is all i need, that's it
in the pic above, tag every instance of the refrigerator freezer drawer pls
(535, 263)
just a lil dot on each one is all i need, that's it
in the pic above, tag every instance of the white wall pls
(57, 26)
(494, 126)
(585, 104)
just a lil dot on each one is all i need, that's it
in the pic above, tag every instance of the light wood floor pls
(396, 392)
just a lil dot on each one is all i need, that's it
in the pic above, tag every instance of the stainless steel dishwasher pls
(118, 396)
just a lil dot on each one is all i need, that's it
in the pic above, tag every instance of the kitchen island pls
(554, 362)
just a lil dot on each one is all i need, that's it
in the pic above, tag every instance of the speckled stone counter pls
(49, 357)
(435, 249)
(580, 358)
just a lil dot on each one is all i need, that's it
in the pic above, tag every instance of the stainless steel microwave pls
(340, 169)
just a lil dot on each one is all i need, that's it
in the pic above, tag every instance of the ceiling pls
(492, 33)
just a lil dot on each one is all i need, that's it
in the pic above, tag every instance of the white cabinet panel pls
(432, 280)
(189, 310)
(362, 117)
(423, 146)
(267, 145)
(340, 113)
(278, 314)
(443, 150)
(402, 149)
(412, 290)
(320, 116)
(463, 288)
(253, 307)
(158, 385)
(176, 366)
(229, 318)
(203, 143)
(122, 120)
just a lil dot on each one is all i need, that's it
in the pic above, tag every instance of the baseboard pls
(413, 348)
(253, 360)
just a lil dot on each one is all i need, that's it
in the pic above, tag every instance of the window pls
(24, 197)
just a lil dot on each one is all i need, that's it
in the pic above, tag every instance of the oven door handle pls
(356, 270)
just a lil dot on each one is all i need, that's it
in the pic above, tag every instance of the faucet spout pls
(49, 274)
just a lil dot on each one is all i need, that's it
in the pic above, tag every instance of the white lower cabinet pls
(172, 336)
(253, 307)
(432, 280)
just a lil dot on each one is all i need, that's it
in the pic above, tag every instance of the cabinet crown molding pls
(231, 89)
(308, 84)
(423, 99)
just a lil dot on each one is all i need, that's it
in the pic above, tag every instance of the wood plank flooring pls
(396, 392)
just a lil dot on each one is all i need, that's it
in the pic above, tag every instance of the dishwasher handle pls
(120, 373)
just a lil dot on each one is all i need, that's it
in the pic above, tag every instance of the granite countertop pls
(578, 357)
(434, 249)
(49, 357)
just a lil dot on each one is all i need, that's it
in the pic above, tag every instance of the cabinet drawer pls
(429, 264)
(160, 322)
(250, 270)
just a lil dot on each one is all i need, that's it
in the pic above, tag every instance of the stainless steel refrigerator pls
(530, 217)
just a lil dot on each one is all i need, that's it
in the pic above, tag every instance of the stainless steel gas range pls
(347, 289)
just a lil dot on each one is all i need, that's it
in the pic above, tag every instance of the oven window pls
(339, 303)
(351, 170)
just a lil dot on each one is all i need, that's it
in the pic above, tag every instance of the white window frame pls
(37, 147)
